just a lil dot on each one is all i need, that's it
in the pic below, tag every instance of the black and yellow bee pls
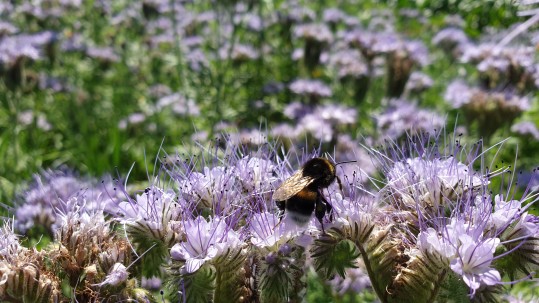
(300, 194)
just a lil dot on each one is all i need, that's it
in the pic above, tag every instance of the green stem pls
(379, 292)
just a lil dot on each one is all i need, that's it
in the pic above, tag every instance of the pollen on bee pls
(306, 195)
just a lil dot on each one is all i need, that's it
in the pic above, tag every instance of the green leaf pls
(228, 277)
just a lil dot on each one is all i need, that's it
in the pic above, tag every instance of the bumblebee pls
(300, 194)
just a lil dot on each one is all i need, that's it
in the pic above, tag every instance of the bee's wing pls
(292, 186)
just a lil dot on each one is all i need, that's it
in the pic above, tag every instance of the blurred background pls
(98, 86)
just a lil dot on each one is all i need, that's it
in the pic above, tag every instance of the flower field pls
(142, 143)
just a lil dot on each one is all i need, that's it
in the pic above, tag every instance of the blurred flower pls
(355, 281)
(117, 275)
(273, 87)
(322, 121)
(526, 128)
(453, 41)
(197, 60)
(313, 90)
(402, 117)
(317, 37)
(239, 53)
(349, 63)
(150, 215)
(510, 67)
(7, 29)
(103, 54)
(55, 192)
(159, 90)
(15, 48)
(179, 104)
(133, 119)
(352, 70)
(28, 118)
(251, 137)
(332, 16)
(489, 109)
(153, 283)
(251, 21)
(417, 83)
(53, 84)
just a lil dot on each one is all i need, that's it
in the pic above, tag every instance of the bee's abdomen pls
(303, 202)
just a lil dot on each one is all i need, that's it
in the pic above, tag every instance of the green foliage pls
(453, 290)
(198, 287)
(228, 277)
(274, 282)
(332, 254)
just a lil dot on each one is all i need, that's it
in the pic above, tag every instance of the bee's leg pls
(280, 214)
(327, 207)
(320, 211)
(281, 206)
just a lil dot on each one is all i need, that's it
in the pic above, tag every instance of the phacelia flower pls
(205, 240)
(313, 90)
(402, 117)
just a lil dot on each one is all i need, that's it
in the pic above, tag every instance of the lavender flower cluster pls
(206, 229)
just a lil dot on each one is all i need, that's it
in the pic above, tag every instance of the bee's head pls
(323, 170)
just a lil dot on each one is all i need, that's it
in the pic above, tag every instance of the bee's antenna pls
(344, 162)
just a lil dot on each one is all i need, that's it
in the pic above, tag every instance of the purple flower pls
(489, 109)
(349, 63)
(153, 283)
(316, 32)
(509, 67)
(15, 48)
(197, 60)
(117, 275)
(356, 280)
(266, 231)
(403, 117)
(6, 28)
(295, 110)
(418, 82)
(179, 104)
(215, 188)
(54, 193)
(239, 53)
(9, 243)
(451, 40)
(312, 89)
(103, 54)
(468, 253)
(205, 240)
(474, 261)
(526, 128)
(320, 121)
(430, 241)
(255, 175)
(53, 84)
(28, 118)
(151, 213)
(133, 119)
(252, 137)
